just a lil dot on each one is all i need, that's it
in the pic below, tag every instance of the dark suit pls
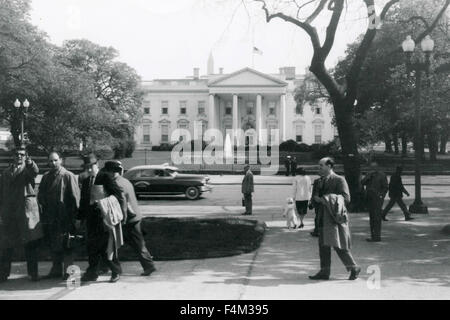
(132, 229)
(333, 184)
(376, 188)
(247, 189)
(96, 233)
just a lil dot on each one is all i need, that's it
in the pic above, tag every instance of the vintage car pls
(166, 180)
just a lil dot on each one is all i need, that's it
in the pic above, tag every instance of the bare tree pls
(343, 96)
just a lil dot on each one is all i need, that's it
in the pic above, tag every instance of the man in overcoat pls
(132, 228)
(332, 233)
(59, 197)
(96, 233)
(376, 187)
(247, 189)
(19, 216)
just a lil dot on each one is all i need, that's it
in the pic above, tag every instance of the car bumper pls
(206, 188)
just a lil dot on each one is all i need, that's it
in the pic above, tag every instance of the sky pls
(167, 39)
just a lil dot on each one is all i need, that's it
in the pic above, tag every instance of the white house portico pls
(245, 99)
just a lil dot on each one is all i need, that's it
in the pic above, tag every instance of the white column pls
(283, 117)
(235, 112)
(258, 118)
(235, 119)
(211, 114)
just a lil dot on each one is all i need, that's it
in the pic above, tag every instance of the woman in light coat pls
(301, 193)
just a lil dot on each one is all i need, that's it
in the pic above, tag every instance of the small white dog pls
(290, 212)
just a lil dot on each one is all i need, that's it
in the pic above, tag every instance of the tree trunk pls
(388, 143)
(432, 145)
(350, 156)
(404, 145)
(395, 141)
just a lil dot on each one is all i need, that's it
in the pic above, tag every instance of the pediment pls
(247, 77)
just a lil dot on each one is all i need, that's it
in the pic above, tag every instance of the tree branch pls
(332, 27)
(316, 12)
(435, 22)
(363, 50)
(310, 30)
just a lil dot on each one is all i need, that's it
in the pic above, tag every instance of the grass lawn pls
(185, 238)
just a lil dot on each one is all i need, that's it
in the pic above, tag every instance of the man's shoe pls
(89, 277)
(319, 276)
(354, 273)
(373, 240)
(114, 277)
(148, 272)
(314, 234)
(409, 218)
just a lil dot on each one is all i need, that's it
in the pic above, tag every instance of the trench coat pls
(59, 197)
(17, 198)
(247, 183)
(334, 234)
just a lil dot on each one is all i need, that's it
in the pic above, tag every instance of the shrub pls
(330, 149)
(288, 145)
(302, 147)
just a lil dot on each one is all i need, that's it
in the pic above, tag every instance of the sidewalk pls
(413, 261)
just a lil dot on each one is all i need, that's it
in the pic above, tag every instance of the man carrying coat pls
(132, 228)
(59, 197)
(19, 215)
(96, 234)
(247, 189)
(332, 233)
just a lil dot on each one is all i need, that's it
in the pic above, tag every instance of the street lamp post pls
(22, 108)
(427, 46)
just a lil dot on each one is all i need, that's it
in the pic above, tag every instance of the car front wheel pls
(192, 193)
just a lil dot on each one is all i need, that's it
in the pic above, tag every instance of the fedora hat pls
(89, 160)
(113, 166)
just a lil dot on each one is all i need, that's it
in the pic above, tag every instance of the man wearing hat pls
(132, 228)
(96, 234)
(247, 189)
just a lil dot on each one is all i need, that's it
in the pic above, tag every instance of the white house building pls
(243, 99)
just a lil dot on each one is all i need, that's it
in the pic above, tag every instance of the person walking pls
(333, 224)
(316, 191)
(132, 231)
(59, 197)
(301, 190)
(396, 191)
(98, 186)
(247, 189)
(19, 214)
(376, 188)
